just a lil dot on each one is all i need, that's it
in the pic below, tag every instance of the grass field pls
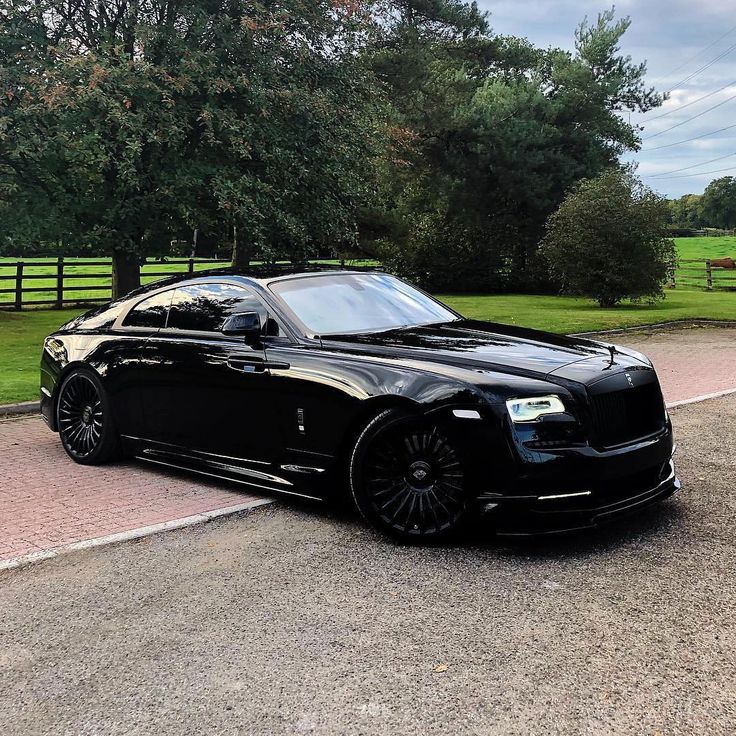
(702, 248)
(22, 333)
(21, 338)
(569, 314)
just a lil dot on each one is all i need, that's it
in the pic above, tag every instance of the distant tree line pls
(401, 129)
(715, 208)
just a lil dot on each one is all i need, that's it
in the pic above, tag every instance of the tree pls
(496, 131)
(124, 124)
(686, 213)
(719, 203)
(609, 240)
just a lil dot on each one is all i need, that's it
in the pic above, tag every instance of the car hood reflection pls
(486, 344)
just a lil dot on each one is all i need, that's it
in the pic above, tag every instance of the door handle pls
(246, 366)
(243, 365)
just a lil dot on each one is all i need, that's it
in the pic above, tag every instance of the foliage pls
(609, 240)
(493, 133)
(126, 124)
(719, 203)
(403, 128)
(686, 213)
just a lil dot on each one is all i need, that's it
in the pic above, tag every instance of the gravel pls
(293, 620)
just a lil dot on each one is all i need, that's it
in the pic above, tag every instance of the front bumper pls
(559, 511)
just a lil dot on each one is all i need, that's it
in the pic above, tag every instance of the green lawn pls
(21, 338)
(570, 314)
(22, 333)
(702, 248)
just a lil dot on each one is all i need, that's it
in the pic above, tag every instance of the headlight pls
(529, 410)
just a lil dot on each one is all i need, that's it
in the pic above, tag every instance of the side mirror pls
(245, 324)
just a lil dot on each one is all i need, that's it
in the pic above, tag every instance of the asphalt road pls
(290, 621)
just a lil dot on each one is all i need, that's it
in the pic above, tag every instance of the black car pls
(322, 382)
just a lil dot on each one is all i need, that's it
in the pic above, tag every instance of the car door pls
(127, 360)
(210, 393)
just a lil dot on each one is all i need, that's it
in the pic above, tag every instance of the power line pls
(703, 68)
(692, 166)
(695, 56)
(682, 107)
(694, 117)
(701, 173)
(687, 140)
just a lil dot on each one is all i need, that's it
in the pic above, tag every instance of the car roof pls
(271, 273)
(260, 274)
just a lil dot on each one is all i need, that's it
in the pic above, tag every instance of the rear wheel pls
(85, 423)
(407, 478)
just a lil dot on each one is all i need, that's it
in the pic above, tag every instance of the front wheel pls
(407, 479)
(85, 422)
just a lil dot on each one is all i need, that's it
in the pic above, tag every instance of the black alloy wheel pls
(407, 479)
(84, 421)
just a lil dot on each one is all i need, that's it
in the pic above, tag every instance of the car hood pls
(491, 346)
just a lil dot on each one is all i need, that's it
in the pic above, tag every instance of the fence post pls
(190, 266)
(60, 282)
(708, 275)
(19, 285)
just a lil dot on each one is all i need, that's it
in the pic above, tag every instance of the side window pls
(150, 312)
(205, 307)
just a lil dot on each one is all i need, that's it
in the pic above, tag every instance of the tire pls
(407, 479)
(84, 418)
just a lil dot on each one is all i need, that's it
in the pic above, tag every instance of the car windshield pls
(347, 303)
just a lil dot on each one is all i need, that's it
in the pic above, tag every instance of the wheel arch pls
(371, 408)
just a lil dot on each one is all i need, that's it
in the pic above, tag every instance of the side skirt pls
(220, 467)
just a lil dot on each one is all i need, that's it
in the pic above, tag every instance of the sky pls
(677, 39)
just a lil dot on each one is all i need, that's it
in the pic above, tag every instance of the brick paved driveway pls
(47, 501)
(690, 361)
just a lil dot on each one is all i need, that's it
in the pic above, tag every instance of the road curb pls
(702, 397)
(672, 324)
(24, 407)
(131, 534)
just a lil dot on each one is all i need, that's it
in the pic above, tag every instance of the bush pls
(609, 240)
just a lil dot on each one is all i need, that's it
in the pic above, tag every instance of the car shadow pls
(643, 528)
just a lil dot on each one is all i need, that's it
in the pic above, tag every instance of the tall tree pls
(125, 123)
(497, 132)
(718, 204)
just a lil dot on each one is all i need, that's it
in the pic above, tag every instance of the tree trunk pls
(126, 273)
(241, 252)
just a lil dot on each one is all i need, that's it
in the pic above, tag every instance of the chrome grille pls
(627, 415)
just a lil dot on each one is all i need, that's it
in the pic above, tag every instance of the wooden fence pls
(703, 275)
(62, 282)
